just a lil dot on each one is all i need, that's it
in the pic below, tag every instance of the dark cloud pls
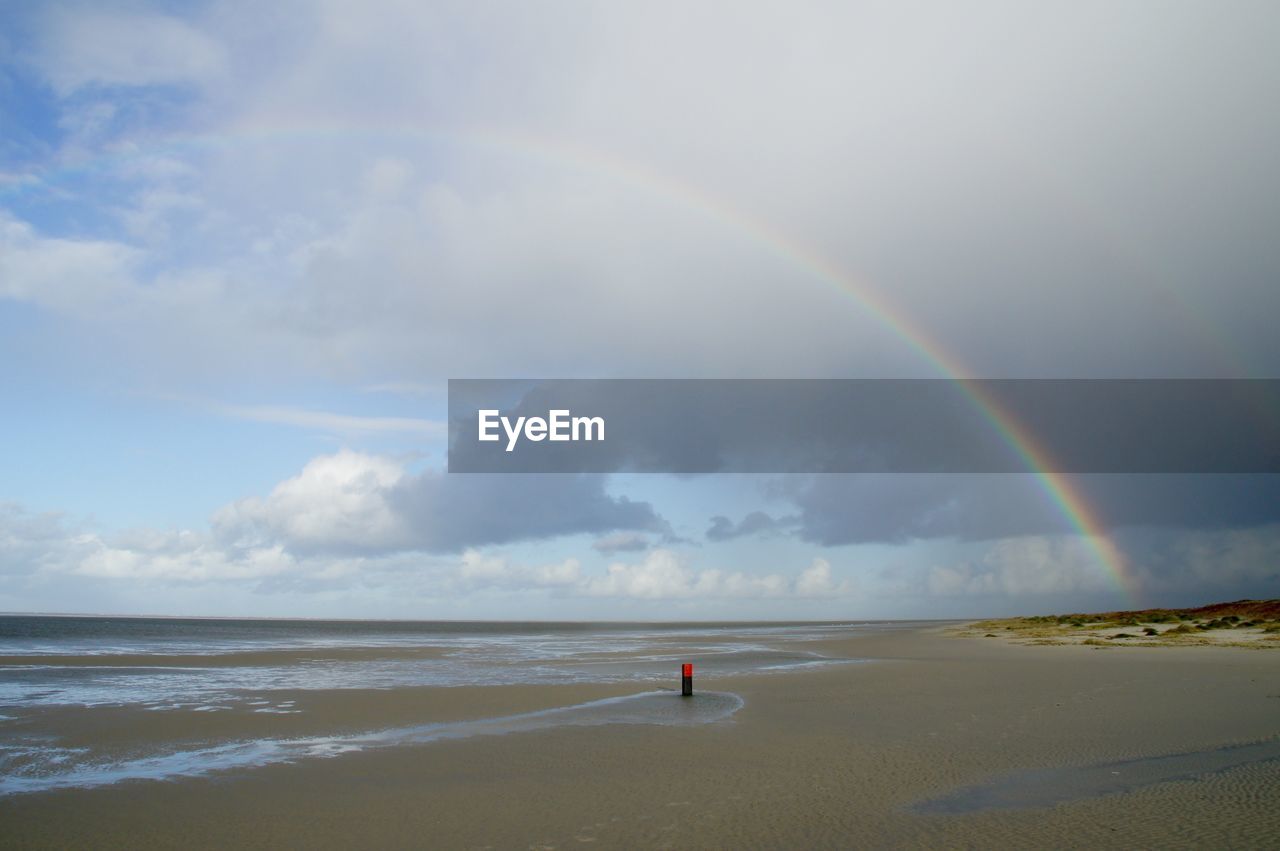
(1178, 567)
(622, 542)
(853, 426)
(451, 512)
(755, 523)
(835, 510)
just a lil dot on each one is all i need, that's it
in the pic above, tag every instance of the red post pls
(686, 679)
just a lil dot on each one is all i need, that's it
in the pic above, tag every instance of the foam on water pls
(29, 770)
(35, 685)
(173, 679)
(36, 635)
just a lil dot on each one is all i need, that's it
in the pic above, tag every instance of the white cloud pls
(31, 542)
(663, 574)
(46, 551)
(357, 503)
(479, 570)
(1023, 567)
(88, 47)
(79, 277)
(178, 557)
(42, 547)
(816, 581)
(660, 575)
(337, 501)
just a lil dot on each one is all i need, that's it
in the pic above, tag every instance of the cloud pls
(879, 425)
(332, 422)
(836, 510)
(444, 161)
(663, 575)
(343, 515)
(816, 581)
(1061, 573)
(41, 547)
(1244, 560)
(30, 542)
(482, 571)
(95, 47)
(401, 388)
(451, 512)
(349, 195)
(621, 542)
(42, 553)
(754, 523)
(1023, 567)
(46, 545)
(352, 502)
(183, 557)
(78, 277)
(337, 502)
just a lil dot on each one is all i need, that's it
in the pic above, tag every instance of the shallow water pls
(67, 768)
(61, 677)
(187, 663)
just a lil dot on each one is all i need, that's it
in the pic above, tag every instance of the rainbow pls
(1059, 488)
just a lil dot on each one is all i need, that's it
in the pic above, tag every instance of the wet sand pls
(841, 756)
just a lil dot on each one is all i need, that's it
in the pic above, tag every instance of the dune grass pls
(1243, 623)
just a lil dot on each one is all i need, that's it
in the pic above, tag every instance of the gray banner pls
(688, 426)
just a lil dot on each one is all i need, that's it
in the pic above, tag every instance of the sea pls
(76, 693)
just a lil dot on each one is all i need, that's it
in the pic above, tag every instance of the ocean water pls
(61, 676)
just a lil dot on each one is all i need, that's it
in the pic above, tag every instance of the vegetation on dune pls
(1255, 623)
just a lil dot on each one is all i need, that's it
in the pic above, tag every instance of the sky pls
(244, 247)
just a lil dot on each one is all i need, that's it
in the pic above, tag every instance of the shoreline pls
(826, 756)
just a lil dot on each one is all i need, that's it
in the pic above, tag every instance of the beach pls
(922, 738)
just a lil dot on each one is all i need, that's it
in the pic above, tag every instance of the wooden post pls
(686, 680)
